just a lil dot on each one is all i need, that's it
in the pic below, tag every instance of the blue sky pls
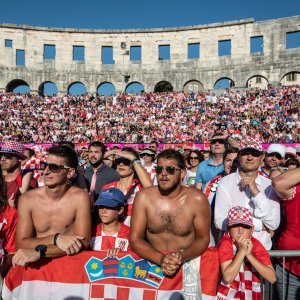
(116, 14)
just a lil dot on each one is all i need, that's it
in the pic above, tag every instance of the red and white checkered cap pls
(15, 148)
(239, 215)
(251, 143)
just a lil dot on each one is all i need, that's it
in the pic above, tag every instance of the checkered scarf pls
(246, 285)
(34, 164)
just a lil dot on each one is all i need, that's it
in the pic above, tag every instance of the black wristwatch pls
(41, 249)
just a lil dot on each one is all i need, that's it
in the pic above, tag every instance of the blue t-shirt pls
(206, 171)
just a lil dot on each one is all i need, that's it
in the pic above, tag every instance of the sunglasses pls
(219, 141)
(122, 160)
(169, 169)
(277, 155)
(250, 152)
(145, 154)
(54, 168)
(7, 155)
(194, 157)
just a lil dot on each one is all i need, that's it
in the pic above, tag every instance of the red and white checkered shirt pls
(247, 284)
(101, 241)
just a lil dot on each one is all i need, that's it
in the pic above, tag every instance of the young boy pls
(243, 259)
(110, 234)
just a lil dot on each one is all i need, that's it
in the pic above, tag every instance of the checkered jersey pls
(101, 241)
(152, 173)
(247, 284)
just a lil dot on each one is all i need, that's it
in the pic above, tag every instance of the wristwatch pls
(41, 249)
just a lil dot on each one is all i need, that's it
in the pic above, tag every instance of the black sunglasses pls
(219, 141)
(254, 153)
(7, 155)
(54, 168)
(194, 157)
(146, 154)
(277, 155)
(169, 169)
(122, 160)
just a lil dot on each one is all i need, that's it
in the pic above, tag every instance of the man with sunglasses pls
(274, 158)
(170, 222)
(54, 220)
(213, 166)
(247, 188)
(12, 155)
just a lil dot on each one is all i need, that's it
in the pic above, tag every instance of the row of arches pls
(107, 88)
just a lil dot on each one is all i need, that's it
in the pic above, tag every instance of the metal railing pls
(267, 288)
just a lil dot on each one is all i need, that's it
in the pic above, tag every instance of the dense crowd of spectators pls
(271, 114)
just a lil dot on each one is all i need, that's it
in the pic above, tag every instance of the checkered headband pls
(239, 215)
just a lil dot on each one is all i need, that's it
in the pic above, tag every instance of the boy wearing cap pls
(110, 234)
(243, 258)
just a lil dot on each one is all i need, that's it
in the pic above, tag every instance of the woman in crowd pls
(193, 159)
(133, 177)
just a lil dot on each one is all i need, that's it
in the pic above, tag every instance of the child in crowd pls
(110, 234)
(243, 259)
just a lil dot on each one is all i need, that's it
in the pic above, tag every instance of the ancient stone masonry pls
(274, 64)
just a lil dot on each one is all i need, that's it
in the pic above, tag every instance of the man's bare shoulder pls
(77, 193)
(149, 191)
(194, 194)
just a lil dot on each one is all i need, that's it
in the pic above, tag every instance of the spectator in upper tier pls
(247, 188)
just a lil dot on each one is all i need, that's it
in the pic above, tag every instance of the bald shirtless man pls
(175, 218)
(53, 220)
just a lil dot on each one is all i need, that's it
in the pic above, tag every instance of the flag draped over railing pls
(93, 275)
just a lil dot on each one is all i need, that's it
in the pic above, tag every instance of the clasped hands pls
(171, 262)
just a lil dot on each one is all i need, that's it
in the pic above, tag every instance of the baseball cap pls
(148, 151)
(239, 215)
(15, 148)
(291, 150)
(277, 148)
(251, 143)
(112, 197)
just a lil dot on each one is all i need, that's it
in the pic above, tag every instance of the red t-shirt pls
(8, 226)
(290, 237)
(225, 249)
(101, 241)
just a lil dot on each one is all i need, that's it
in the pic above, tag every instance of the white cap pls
(277, 148)
(291, 150)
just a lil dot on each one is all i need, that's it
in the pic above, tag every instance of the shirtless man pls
(175, 218)
(54, 220)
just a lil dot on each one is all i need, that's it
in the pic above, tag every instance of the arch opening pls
(134, 88)
(48, 88)
(224, 83)
(290, 78)
(77, 88)
(18, 86)
(193, 86)
(106, 89)
(163, 86)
